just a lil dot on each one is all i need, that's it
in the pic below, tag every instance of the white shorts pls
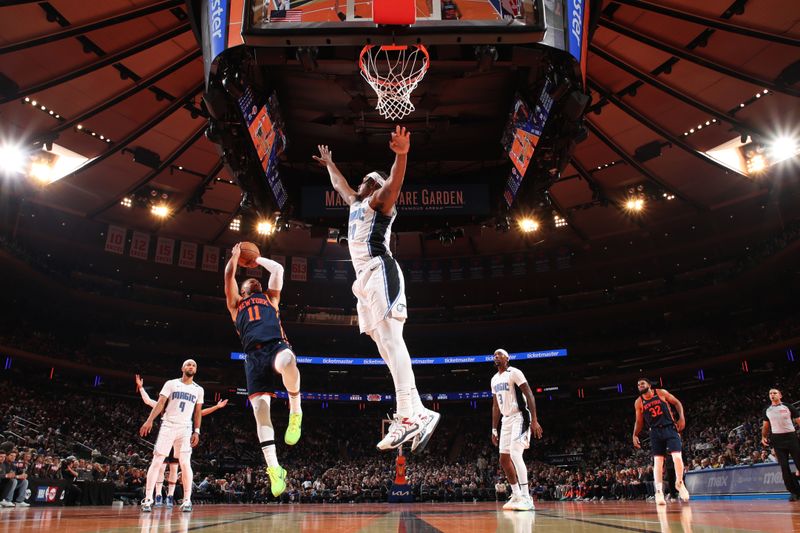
(178, 437)
(512, 438)
(381, 293)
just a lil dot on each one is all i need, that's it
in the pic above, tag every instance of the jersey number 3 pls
(655, 411)
(253, 313)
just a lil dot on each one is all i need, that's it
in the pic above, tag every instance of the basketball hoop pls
(393, 72)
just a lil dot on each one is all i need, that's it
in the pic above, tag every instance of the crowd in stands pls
(586, 452)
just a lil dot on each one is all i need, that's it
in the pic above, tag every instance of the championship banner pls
(519, 265)
(140, 245)
(497, 266)
(340, 271)
(165, 248)
(415, 272)
(115, 240)
(299, 269)
(320, 271)
(435, 271)
(421, 200)
(455, 360)
(456, 270)
(210, 259)
(188, 255)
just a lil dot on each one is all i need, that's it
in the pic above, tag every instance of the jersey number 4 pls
(253, 313)
(655, 411)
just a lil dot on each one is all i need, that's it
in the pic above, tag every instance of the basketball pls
(249, 255)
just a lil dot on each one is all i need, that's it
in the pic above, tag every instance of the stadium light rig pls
(236, 224)
(527, 225)
(13, 158)
(265, 227)
(634, 204)
(161, 211)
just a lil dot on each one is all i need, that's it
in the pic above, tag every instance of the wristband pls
(494, 432)
(197, 430)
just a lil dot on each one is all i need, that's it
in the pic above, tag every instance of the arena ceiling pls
(113, 76)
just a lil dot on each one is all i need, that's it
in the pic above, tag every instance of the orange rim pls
(394, 47)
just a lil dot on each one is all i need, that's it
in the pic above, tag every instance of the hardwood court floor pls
(766, 516)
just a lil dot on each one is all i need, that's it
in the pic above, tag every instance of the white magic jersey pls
(181, 399)
(505, 389)
(368, 233)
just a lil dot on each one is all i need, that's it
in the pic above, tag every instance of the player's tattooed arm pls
(340, 185)
(637, 427)
(680, 423)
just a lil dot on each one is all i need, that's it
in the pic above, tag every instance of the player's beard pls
(188, 374)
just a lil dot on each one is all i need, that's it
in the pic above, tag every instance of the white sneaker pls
(23, 504)
(525, 503)
(6, 503)
(660, 498)
(683, 492)
(430, 419)
(511, 504)
(147, 505)
(401, 431)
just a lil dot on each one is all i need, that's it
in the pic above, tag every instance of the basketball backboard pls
(351, 22)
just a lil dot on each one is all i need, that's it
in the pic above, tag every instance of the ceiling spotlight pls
(236, 224)
(12, 158)
(783, 148)
(27, 99)
(265, 227)
(527, 225)
(559, 221)
(126, 202)
(634, 204)
(161, 211)
(33, 102)
(756, 163)
(80, 126)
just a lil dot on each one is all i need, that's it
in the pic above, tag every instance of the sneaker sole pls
(407, 438)
(424, 441)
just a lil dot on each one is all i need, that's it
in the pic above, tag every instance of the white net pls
(394, 72)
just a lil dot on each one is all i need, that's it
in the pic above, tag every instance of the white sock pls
(264, 429)
(515, 489)
(417, 401)
(659, 486)
(390, 333)
(294, 403)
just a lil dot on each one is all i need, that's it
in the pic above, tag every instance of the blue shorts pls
(259, 366)
(664, 440)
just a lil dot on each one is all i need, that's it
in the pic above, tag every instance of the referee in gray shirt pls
(779, 432)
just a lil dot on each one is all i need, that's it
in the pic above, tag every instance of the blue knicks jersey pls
(656, 412)
(257, 321)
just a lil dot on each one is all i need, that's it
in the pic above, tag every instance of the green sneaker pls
(277, 479)
(293, 431)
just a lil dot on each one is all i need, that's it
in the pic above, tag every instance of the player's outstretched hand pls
(495, 440)
(325, 156)
(195, 440)
(636, 443)
(401, 141)
(536, 429)
(145, 429)
(222, 403)
(236, 251)
(139, 382)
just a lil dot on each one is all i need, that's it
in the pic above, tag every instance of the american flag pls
(287, 15)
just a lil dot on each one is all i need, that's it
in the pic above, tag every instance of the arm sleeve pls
(146, 398)
(166, 390)
(275, 270)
